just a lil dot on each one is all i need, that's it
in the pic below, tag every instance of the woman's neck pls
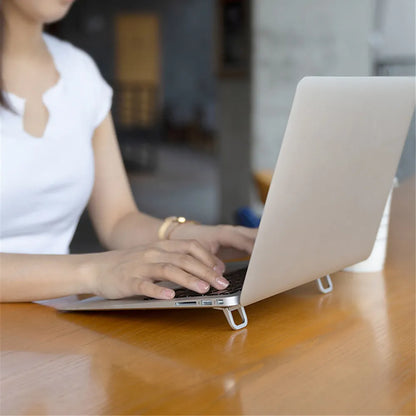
(23, 36)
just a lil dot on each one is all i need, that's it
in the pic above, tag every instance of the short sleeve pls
(92, 93)
(103, 95)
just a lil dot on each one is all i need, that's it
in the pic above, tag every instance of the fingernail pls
(219, 269)
(222, 282)
(203, 286)
(168, 294)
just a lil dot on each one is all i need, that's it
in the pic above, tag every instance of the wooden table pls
(348, 352)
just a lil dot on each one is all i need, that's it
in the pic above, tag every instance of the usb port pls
(206, 302)
(219, 302)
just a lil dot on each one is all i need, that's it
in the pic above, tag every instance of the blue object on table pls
(247, 217)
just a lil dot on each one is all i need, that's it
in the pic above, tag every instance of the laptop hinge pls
(321, 286)
(228, 312)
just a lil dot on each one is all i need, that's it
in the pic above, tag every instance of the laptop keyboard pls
(236, 279)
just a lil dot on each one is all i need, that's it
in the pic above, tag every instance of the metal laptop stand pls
(228, 312)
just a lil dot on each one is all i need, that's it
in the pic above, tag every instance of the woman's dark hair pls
(3, 101)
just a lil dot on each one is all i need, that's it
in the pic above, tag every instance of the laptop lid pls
(335, 169)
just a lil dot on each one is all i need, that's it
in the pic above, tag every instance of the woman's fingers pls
(195, 249)
(248, 232)
(185, 262)
(235, 237)
(152, 290)
(171, 273)
(193, 266)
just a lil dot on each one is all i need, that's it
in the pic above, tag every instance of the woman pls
(59, 153)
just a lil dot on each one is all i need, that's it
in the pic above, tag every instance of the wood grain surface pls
(348, 352)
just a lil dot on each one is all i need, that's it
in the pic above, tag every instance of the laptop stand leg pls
(321, 286)
(228, 312)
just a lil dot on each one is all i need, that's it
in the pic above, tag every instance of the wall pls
(295, 38)
(395, 28)
(394, 51)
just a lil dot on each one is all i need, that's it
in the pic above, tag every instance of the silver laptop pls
(335, 169)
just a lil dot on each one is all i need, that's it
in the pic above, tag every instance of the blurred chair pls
(262, 179)
(246, 216)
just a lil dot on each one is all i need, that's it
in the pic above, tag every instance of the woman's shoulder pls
(82, 78)
(66, 55)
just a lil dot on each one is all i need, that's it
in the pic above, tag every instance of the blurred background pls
(203, 88)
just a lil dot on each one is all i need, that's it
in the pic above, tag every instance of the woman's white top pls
(47, 181)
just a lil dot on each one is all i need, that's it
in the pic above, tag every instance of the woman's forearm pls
(28, 277)
(112, 274)
(134, 229)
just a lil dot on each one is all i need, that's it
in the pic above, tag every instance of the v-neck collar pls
(18, 103)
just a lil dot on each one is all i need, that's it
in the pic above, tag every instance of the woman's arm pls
(188, 259)
(116, 219)
(27, 277)
(118, 222)
(112, 274)
(117, 273)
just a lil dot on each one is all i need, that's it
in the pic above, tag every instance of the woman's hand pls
(135, 271)
(235, 241)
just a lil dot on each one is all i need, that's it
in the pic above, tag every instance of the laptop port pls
(186, 302)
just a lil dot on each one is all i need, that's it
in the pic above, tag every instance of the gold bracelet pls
(162, 233)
